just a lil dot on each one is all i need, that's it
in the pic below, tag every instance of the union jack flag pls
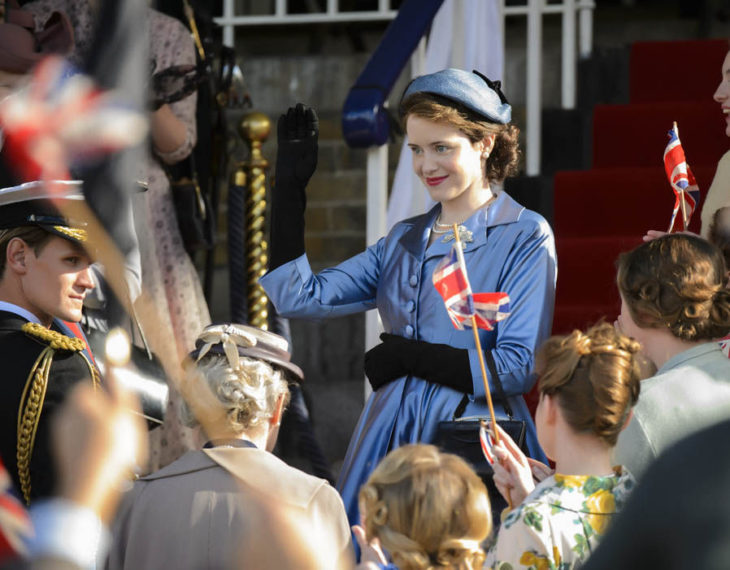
(61, 118)
(486, 441)
(452, 282)
(15, 525)
(680, 177)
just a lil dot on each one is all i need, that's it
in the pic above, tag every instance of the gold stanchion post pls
(254, 129)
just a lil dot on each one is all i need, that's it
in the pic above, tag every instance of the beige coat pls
(194, 515)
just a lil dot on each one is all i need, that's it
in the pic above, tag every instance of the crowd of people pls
(622, 465)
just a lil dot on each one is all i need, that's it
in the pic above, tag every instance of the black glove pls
(296, 161)
(438, 363)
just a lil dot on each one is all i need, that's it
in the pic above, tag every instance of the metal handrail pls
(365, 122)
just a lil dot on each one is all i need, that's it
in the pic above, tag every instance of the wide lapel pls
(504, 210)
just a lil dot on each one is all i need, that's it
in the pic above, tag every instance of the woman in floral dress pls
(168, 275)
(588, 384)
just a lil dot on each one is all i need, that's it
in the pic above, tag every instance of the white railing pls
(229, 20)
(534, 10)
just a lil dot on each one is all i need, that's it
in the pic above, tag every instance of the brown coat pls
(231, 508)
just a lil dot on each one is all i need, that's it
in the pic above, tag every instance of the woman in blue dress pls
(459, 131)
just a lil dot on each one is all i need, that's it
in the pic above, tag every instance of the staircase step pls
(676, 70)
(586, 289)
(587, 268)
(603, 78)
(636, 134)
(568, 318)
(618, 201)
(566, 140)
(533, 192)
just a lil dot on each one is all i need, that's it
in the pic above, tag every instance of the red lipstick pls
(436, 180)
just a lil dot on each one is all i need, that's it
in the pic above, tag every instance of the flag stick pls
(684, 210)
(478, 343)
(484, 376)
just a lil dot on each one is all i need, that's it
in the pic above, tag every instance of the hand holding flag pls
(681, 179)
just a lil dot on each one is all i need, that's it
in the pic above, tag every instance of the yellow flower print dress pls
(559, 524)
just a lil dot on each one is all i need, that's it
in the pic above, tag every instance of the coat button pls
(409, 331)
(413, 281)
(411, 306)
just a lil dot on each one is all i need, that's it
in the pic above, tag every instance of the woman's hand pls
(513, 474)
(296, 156)
(540, 471)
(397, 356)
(296, 160)
(371, 553)
(654, 234)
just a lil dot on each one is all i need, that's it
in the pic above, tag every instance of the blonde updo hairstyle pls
(428, 509)
(232, 400)
(678, 282)
(594, 376)
(505, 156)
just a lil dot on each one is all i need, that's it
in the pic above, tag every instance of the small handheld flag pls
(16, 528)
(486, 441)
(452, 282)
(686, 191)
(61, 117)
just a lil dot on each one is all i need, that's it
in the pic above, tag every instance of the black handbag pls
(460, 436)
(193, 208)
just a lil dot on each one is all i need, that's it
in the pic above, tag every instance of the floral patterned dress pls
(168, 275)
(559, 524)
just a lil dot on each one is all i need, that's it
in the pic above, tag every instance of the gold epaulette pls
(53, 339)
(34, 393)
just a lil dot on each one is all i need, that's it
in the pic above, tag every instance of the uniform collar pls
(20, 311)
(504, 210)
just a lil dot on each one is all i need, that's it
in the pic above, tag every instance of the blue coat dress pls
(513, 251)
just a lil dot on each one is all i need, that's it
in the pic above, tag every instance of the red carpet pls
(606, 210)
(601, 212)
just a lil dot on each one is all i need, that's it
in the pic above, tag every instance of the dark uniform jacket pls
(19, 352)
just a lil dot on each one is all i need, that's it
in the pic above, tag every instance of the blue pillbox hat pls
(473, 90)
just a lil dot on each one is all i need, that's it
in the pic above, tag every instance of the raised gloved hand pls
(296, 161)
(397, 356)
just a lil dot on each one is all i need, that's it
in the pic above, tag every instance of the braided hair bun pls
(428, 509)
(677, 282)
(595, 376)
